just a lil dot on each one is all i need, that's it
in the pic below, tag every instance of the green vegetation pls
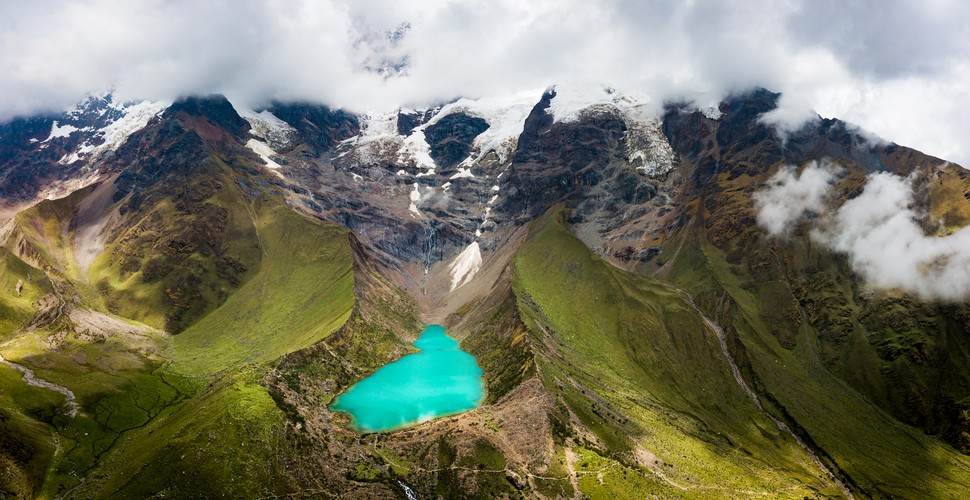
(184, 414)
(877, 453)
(301, 293)
(27, 440)
(223, 441)
(20, 286)
(624, 352)
(275, 314)
(188, 250)
(499, 341)
(45, 229)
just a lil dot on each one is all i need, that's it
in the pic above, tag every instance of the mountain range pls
(666, 300)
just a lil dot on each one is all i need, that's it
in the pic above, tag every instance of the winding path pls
(32, 380)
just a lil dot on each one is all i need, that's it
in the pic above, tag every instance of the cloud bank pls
(878, 230)
(895, 67)
(789, 197)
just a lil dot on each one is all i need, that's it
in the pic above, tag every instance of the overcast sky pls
(897, 68)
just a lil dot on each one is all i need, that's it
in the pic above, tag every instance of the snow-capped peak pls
(572, 101)
(645, 144)
(132, 118)
(505, 116)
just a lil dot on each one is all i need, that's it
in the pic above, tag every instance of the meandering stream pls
(32, 380)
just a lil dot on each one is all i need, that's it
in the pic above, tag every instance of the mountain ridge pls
(264, 261)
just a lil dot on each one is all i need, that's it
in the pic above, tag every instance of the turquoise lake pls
(438, 381)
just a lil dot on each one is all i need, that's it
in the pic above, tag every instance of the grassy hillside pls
(230, 429)
(181, 253)
(28, 444)
(636, 365)
(222, 442)
(881, 455)
(301, 293)
(134, 384)
(44, 235)
(498, 339)
(20, 286)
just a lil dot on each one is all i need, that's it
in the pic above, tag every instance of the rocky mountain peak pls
(216, 109)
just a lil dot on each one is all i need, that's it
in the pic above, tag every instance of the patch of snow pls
(378, 139)
(712, 112)
(646, 143)
(416, 149)
(268, 127)
(574, 101)
(401, 172)
(82, 151)
(136, 118)
(378, 125)
(415, 197)
(463, 173)
(265, 153)
(465, 265)
(60, 131)
(356, 177)
(495, 187)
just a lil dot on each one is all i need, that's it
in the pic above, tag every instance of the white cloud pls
(793, 111)
(878, 230)
(894, 67)
(790, 197)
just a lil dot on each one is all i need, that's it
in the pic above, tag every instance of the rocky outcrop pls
(451, 139)
(318, 126)
(215, 109)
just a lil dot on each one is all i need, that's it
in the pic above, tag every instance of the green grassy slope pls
(181, 254)
(27, 440)
(637, 366)
(20, 286)
(498, 339)
(229, 431)
(880, 455)
(134, 388)
(301, 293)
(222, 442)
(45, 228)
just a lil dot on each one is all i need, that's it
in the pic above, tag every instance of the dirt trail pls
(32, 380)
(571, 469)
(722, 340)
